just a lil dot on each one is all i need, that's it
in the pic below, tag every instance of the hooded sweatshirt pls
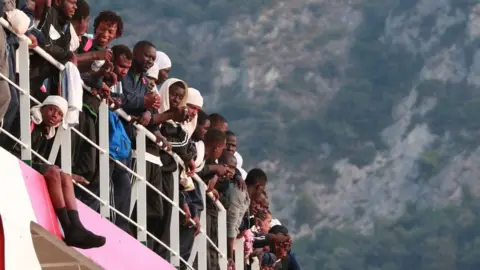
(175, 133)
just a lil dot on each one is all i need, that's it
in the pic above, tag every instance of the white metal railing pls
(63, 139)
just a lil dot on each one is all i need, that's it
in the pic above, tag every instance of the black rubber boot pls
(78, 236)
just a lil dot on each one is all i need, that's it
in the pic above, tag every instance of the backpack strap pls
(32, 126)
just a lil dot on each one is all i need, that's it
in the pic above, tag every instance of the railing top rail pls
(37, 49)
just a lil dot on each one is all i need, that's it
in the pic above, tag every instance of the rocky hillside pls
(355, 107)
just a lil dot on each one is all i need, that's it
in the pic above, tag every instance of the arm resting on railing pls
(38, 50)
(59, 53)
(132, 102)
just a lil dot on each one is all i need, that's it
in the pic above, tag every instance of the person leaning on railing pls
(45, 118)
(20, 23)
(4, 69)
(55, 28)
(108, 26)
(171, 116)
(94, 75)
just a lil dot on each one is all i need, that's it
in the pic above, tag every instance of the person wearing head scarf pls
(164, 65)
(152, 78)
(170, 117)
(158, 73)
(45, 118)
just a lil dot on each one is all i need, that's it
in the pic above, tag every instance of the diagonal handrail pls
(37, 49)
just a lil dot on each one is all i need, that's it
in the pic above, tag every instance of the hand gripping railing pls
(66, 162)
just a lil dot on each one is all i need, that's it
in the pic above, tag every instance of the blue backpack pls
(120, 144)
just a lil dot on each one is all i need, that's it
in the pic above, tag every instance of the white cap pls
(194, 97)
(153, 72)
(163, 61)
(19, 21)
(58, 101)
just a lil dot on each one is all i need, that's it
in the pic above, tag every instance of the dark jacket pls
(194, 200)
(58, 48)
(39, 145)
(178, 139)
(134, 90)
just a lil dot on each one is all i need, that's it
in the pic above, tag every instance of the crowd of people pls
(135, 80)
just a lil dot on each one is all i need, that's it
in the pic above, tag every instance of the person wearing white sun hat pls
(164, 65)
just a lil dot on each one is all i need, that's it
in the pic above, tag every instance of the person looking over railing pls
(4, 67)
(45, 118)
(152, 76)
(215, 141)
(232, 147)
(218, 121)
(172, 116)
(108, 26)
(136, 99)
(279, 254)
(192, 203)
(55, 28)
(164, 65)
(21, 23)
(203, 124)
(79, 24)
(120, 178)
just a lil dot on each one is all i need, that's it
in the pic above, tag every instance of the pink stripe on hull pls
(121, 251)
(41, 203)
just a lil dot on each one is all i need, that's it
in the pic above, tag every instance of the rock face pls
(354, 107)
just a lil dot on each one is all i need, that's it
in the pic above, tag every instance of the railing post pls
(255, 264)
(24, 72)
(66, 149)
(239, 253)
(175, 220)
(55, 148)
(141, 186)
(104, 162)
(133, 196)
(222, 238)
(200, 247)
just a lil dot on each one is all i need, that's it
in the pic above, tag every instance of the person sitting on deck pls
(45, 118)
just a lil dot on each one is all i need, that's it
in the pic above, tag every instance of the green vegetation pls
(379, 76)
(445, 239)
(306, 209)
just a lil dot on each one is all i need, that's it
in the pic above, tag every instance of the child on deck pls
(45, 119)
